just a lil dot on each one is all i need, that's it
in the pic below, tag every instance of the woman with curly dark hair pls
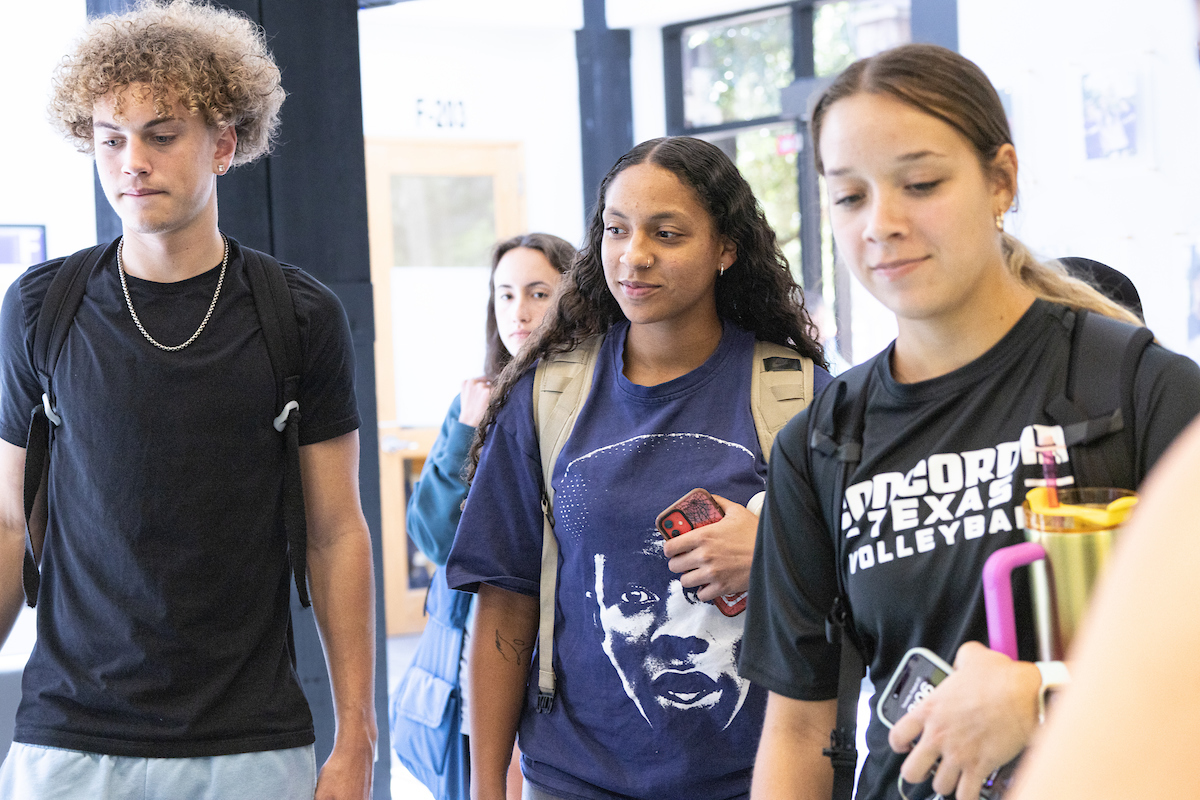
(679, 277)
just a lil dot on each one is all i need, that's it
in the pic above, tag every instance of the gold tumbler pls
(1078, 536)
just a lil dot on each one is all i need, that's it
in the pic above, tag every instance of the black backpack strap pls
(842, 750)
(277, 316)
(834, 456)
(1097, 401)
(62, 300)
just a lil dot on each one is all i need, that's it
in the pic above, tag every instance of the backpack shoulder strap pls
(63, 298)
(835, 449)
(560, 387)
(281, 332)
(277, 316)
(1098, 397)
(781, 385)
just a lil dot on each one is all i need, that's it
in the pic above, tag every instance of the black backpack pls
(277, 316)
(1093, 413)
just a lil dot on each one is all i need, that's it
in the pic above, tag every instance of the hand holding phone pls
(694, 510)
(919, 673)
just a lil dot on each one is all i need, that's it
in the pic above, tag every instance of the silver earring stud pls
(721, 270)
(221, 168)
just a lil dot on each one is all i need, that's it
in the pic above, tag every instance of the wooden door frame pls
(401, 447)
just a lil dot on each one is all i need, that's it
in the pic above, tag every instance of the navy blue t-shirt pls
(649, 701)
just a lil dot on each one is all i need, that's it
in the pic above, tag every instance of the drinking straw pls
(1050, 473)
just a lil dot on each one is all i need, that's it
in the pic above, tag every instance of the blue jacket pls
(426, 707)
(436, 503)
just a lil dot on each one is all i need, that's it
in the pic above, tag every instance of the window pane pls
(847, 30)
(733, 69)
(442, 220)
(766, 157)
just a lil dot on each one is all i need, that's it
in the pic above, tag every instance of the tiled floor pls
(399, 656)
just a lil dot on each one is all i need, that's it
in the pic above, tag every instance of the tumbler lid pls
(1096, 511)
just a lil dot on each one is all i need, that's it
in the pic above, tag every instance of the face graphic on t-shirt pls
(672, 651)
(674, 654)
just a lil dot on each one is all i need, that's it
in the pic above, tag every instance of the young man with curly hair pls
(164, 659)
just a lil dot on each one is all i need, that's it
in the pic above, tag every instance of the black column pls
(806, 170)
(307, 205)
(605, 98)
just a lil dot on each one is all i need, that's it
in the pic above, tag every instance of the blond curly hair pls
(215, 62)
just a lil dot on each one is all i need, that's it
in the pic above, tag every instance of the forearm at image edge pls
(790, 763)
(500, 659)
(12, 535)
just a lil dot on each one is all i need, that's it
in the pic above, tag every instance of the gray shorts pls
(531, 792)
(49, 773)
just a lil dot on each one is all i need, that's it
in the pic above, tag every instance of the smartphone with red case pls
(694, 510)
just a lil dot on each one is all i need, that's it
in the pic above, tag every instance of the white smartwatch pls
(1055, 676)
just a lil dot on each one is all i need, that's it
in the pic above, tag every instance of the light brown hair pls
(944, 85)
(215, 62)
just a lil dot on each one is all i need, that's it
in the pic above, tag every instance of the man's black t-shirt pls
(163, 612)
(945, 466)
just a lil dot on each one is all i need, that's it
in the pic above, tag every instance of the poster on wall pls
(21, 246)
(1111, 108)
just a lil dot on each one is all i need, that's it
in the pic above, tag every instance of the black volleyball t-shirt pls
(945, 467)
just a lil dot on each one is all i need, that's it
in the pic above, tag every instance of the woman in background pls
(525, 271)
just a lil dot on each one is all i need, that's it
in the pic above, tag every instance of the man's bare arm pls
(12, 534)
(790, 763)
(342, 584)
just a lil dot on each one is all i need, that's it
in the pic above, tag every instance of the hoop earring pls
(721, 270)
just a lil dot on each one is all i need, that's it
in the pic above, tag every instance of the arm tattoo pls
(515, 651)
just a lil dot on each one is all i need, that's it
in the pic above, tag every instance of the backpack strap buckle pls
(841, 750)
(281, 421)
(50, 414)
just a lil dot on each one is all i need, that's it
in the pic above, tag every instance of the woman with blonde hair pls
(955, 418)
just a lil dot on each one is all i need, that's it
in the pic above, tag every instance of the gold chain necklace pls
(138, 322)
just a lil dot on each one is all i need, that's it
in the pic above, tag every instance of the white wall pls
(514, 72)
(1140, 215)
(43, 181)
(639, 13)
(507, 73)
